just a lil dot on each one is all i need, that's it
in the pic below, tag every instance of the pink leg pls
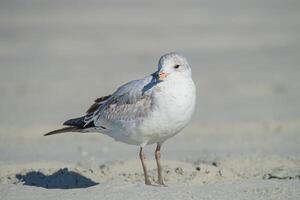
(159, 168)
(143, 157)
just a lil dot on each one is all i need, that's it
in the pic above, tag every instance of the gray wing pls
(131, 101)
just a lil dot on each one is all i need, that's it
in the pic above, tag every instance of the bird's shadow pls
(62, 179)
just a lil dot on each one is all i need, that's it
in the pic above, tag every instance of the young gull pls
(144, 111)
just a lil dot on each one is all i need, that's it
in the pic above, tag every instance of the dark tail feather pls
(64, 130)
(74, 125)
(77, 122)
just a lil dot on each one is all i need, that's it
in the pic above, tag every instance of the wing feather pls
(96, 104)
(129, 102)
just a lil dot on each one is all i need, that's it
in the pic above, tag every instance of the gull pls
(144, 111)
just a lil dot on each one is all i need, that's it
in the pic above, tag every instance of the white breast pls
(173, 106)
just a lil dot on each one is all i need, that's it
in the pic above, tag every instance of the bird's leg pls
(159, 168)
(143, 157)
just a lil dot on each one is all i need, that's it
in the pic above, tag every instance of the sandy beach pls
(56, 57)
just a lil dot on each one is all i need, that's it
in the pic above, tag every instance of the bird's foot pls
(161, 183)
(148, 182)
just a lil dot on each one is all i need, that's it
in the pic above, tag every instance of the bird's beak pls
(162, 75)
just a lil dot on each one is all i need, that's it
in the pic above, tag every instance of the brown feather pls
(95, 106)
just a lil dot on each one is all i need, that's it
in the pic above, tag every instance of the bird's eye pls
(176, 66)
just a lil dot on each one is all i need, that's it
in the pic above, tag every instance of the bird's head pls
(173, 65)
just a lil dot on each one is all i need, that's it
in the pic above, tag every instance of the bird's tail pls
(74, 125)
(64, 130)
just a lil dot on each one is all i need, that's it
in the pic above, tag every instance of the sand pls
(76, 166)
(255, 177)
(243, 141)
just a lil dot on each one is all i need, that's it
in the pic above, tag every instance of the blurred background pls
(56, 57)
